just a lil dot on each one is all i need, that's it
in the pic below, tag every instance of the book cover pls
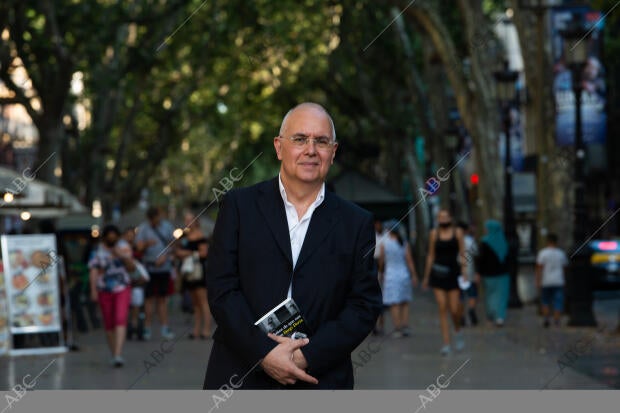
(285, 319)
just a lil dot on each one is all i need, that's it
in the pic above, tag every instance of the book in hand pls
(284, 320)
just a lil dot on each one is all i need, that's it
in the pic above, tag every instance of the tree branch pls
(20, 96)
(440, 36)
(52, 26)
(10, 101)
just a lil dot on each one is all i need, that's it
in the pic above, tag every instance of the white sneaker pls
(167, 333)
(459, 341)
(397, 334)
(118, 361)
(445, 350)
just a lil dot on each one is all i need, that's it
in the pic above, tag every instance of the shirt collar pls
(319, 198)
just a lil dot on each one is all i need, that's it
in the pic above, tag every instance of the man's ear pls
(277, 144)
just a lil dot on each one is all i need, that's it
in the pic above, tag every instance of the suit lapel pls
(270, 204)
(321, 224)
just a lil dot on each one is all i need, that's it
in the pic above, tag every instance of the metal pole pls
(579, 285)
(543, 194)
(509, 224)
(453, 210)
(580, 217)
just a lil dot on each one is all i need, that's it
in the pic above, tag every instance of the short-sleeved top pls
(115, 277)
(147, 232)
(553, 261)
(395, 261)
(471, 250)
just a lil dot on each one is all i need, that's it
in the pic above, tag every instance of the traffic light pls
(474, 179)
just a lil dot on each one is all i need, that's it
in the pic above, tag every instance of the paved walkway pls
(521, 355)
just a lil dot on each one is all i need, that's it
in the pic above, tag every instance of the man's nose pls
(311, 146)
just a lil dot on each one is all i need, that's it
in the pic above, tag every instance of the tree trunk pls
(51, 137)
(554, 183)
(422, 217)
(474, 98)
(439, 111)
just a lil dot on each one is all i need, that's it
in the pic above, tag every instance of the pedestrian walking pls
(551, 265)
(110, 286)
(154, 240)
(135, 323)
(492, 265)
(192, 251)
(446, 244)
(379, 236)
(400, 275)
(469, 289)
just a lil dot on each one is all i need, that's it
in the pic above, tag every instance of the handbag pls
(191, 268)
(441, 271)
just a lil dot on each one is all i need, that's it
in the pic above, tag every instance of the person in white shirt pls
(469, 295)
(551, 263)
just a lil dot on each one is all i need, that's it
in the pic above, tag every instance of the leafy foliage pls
(181, 91)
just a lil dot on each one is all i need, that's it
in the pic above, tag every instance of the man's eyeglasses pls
(300, 140)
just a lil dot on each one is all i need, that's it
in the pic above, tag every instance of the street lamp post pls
(452, 143)
(579, 283)
(506, 80)
(576, 54)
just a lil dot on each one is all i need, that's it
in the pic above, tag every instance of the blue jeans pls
(496, 294)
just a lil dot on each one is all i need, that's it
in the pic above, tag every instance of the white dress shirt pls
(297, 228)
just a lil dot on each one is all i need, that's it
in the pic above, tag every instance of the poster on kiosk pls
(31, 289)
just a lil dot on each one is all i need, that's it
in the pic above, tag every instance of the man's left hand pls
(298, 357)
(279, 364)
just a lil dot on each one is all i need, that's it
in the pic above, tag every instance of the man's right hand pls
(279, 365)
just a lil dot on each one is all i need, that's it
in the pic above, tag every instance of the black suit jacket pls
(249, 271)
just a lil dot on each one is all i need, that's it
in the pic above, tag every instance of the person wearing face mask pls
(110, 286)
(446, 244)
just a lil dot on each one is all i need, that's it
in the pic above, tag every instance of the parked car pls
(605, 263)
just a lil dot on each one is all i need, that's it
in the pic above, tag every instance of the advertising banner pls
(31, 283)
(594, 117)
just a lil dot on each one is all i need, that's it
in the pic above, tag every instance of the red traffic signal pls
(474, 179)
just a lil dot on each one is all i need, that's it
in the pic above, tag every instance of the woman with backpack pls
(492, 265)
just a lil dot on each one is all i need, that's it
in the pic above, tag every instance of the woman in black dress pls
(193, 241)
(446, 245)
